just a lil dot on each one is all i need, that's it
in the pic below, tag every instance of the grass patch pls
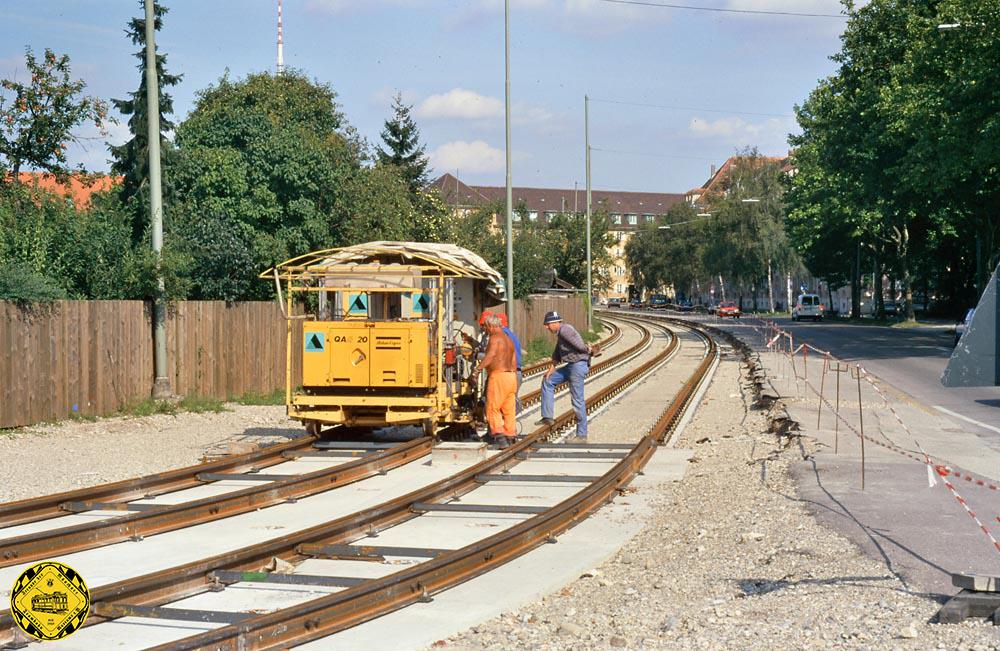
(253, 398)
(537, 349)
(192, 404)
(201, 405)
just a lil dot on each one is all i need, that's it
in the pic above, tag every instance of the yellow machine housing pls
(385, 344)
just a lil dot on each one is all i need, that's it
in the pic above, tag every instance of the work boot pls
(548, 422)
(501, 442)
(576, 440)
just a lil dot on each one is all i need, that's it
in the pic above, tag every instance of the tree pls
(402, 146)
(38, 118)
(131, 159)
(570, 252)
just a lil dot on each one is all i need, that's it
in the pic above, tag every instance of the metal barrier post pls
(822, 385)
(861, 421)
(836, 429)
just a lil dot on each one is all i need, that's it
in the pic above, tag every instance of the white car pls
(807, 306)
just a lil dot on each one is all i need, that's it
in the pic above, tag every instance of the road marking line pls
(967, 419)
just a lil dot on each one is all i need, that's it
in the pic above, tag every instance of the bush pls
(20, 285)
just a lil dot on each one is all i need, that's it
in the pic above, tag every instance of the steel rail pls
(323, 616)
(48, 506)
(166, 585)
(401, 509)
(159, 519)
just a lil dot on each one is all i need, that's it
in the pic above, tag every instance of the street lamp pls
(510, 199)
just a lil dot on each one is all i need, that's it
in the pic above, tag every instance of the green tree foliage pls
(131, 159)
(273, 159)
(570, 254)
(38, 118)
(898, 154)
(742, 240)
(402, 146)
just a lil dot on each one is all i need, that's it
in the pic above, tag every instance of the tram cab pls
(388, 334)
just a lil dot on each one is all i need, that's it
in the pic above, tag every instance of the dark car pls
(658, 301)
(685, 306)
(637, 304)
(614, 302)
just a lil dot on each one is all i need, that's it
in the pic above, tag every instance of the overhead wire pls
(762, 12)
(689, 108)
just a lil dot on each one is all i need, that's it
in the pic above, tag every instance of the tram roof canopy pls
(454, 260)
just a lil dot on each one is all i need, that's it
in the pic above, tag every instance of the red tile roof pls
(78, 189)
(543, 200)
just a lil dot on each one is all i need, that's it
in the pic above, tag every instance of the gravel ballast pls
(44, 459)
(731, 559)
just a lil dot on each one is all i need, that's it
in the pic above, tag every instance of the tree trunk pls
(904, 263)
(855, 285)
(788, 291)
(770, 288)
(722, 287)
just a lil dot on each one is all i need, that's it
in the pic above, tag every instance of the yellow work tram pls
(389, 334)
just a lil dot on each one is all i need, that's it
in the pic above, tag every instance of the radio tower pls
(281, 54)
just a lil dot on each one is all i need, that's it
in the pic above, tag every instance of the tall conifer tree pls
(131, 160)
(402, 145)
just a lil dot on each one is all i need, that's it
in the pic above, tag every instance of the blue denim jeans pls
(574, 374)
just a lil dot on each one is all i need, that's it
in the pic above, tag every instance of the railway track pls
(144, 517)
(63, 540)
(361, 600)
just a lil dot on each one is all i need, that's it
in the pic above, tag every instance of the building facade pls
(626, 212)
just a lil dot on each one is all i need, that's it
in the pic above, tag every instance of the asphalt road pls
(912, 360)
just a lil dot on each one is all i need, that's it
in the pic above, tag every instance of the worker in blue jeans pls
(574, 353)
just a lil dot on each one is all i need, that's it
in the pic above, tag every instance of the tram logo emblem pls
(49, 601)
(315, 342)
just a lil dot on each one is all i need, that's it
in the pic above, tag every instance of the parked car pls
(964, 324)
(614, 302)
(891, 308)
(637, 304)
(808, 306)
(685, 306)
(658, 301)
(728, 308)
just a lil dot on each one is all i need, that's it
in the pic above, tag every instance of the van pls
(807, 306)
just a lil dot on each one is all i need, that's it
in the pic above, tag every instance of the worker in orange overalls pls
(500, 362)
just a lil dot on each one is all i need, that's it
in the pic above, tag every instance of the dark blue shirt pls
(517, 345)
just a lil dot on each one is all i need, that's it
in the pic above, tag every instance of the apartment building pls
(627, 212)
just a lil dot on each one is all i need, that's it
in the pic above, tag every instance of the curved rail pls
(195, 577)
(154, 519)
(326, 615)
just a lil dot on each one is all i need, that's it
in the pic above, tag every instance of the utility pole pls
(161, 385)
(281, 43)
(590, 286)
(510, 198)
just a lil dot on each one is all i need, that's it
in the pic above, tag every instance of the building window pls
(649, 218)
(549, 216)
(533, 215)
(618, 236)
(517, 216)
(616, 219)
(633, 219)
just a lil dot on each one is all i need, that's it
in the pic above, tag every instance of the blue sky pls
(742, 74)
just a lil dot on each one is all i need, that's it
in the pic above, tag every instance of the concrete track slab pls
(544, 570)
(115, 562)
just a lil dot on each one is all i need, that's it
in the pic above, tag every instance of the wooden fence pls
(95, 357)
(530, 313)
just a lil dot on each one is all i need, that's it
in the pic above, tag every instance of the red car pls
(728, 309)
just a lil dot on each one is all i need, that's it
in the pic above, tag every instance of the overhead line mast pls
(281, 53)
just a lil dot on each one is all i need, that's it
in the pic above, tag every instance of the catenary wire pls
(764, 12)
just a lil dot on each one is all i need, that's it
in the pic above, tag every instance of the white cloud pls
(734, 127)
(461, 104)
(792, 6)
(472, 157)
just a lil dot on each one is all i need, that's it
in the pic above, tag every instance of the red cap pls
(503, 319)
(485, 315)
